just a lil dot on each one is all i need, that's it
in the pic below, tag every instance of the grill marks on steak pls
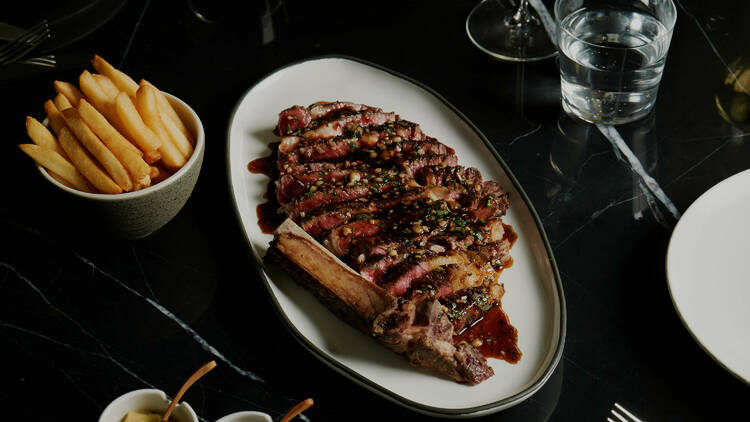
(393, 204)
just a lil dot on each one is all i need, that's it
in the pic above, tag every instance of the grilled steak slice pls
(317, 198)
(336, 126)
(293, 119)
(409, 243)
(423, 333)
(324, 109)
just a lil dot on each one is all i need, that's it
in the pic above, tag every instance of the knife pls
(66, 60)
(10, 32)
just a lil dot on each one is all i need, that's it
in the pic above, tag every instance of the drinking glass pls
(612, 55)
(509, 31)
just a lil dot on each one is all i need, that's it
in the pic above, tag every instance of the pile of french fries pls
(112, 135)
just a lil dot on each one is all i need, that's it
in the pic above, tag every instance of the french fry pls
(56, 120)
(85, 164)
(154, 172)
(178, 138)
(60, 179)
(104, 130)
(106, 85)
(127, 153)
(104, 103)
(95, 94)
(62, 103)
(161, 176)
(167, 108)
(97, 97)
(141, 134)
(42, 136)
(139, 186)
(146, 104)
(120, 78)
(151, 156)
(96, 147)
(54, 162)
(68, 90)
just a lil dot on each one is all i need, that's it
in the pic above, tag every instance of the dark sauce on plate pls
(492, 334)
(268, 216)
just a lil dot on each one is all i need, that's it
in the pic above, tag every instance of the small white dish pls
(246, 416)
(146, 399)
(707, 272)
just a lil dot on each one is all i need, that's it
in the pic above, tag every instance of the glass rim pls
(670, 28)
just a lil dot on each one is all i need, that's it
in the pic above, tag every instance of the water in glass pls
(611, 63)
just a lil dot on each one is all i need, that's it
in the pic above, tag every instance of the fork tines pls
(44, 61)
(622, 415)
(17, 48)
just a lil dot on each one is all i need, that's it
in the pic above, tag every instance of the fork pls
(24, 43)
(622, 417)
(43, 61)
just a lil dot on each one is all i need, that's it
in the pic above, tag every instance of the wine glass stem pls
(522, 16)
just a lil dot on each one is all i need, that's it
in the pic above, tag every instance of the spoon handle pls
(296, 410)
(190, 381)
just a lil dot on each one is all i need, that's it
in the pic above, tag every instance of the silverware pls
(23, 44)
(10, 32)
(622, 415)
(44, 61)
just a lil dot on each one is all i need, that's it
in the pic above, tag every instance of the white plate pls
(708, 276)
(534, 299)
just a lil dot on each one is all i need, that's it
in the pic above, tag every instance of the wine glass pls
(508, 31)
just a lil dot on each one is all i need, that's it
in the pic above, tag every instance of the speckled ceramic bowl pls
(146, 399)
(133, 215)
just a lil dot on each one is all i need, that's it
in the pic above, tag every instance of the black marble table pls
(85, 318)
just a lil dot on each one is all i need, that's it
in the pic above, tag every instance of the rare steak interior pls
(393, 235)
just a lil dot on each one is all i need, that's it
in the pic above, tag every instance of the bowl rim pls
(130, 395)
(237, 415)
(199, 145)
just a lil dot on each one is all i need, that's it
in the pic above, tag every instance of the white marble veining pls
(197, 337)
(711, 44)
(613, 136)
(533, 131)
(105, 355)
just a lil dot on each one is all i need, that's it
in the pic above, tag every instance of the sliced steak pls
(409, 243)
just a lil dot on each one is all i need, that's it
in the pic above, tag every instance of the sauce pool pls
(493, 336)
(269, 218)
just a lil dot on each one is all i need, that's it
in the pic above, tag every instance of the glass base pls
(572, 111)
(491, 28)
